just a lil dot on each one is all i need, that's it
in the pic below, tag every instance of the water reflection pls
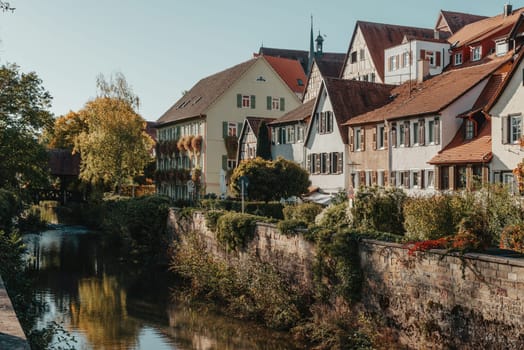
(108, 304)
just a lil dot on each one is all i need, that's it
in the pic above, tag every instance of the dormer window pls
(458, 59)
(476, 53)
(501, 48)
(469, 129)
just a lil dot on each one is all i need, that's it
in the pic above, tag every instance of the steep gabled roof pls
(254, 123)
(300, 55)
(380, 36)
(203, 94)
(506, 81)
(460, 151)
(479, 30)
(330, 66)
(457, 20)
(300, 113)
(290, 71)
(432, 95)
(350, 98)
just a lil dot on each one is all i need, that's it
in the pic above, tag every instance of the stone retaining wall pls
(12, 336)
(431, 300)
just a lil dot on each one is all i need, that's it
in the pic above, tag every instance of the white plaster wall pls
(409, 72)
(359, 68)
(506, 157)
(326, 143)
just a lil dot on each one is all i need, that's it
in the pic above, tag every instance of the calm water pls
(106, 304)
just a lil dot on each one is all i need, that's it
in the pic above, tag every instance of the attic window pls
(501, 48)
(300, 82)
(476, 53)
(470, 129)
(197, 99)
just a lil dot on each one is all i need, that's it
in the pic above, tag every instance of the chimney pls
(508, 9)
(422, 70)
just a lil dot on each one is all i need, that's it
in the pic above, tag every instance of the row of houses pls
(417, 108)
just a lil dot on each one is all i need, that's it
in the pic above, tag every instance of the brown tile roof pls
(350, 98)
(430, 96)
(254, 123)
(494, 83)
(457, 20)
(460, 151)
(476, 31)
(505, 82)
(300, 113)
(380, 36)
(290, 71)
(63, 163)
(204, 93)
(300, 55)
(330, 66)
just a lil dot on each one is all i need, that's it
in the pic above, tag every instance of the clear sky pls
(164, 47)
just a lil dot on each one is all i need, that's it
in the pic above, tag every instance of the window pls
(325, 125)
(380, 137)
(336, 163)
(290, 134)
(416, 133)
(431, 178)
(404, 179)
(501, 48)
(444, 178)
(358, 139)
(458, 59)
(362, 54)
(515, 128)
(324, 163)
(232, 129)
(431, 131)
(416, 179)
(393, 63)
(372, 77)
(300, 82)
(430, 56)
(469, 129)
(275, 103)
(354, 57)
(405, 59)
(476, 53)
(300, 133)
(460, 177)
(231, 164)
(509, 180)
(402, 134)
(246, 101)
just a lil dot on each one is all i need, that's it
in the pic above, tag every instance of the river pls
(106, 302)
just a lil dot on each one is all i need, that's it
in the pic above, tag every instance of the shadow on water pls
(107, 303)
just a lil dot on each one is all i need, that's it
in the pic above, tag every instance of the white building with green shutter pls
(213, 111)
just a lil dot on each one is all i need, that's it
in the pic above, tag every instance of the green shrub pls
(335, 217)
(234, 230)
(306, 212)
(290, 226)
(428, 218)
(270, 209)
(212, 217)
(379, 209)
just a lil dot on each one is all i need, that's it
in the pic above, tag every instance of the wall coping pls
(472, 256)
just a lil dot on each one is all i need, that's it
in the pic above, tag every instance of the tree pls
(115, 146)
(66, 129)
(24, 114)
(270, 180)
(263, 145)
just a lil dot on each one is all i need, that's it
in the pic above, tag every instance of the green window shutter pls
(224, 163)
(269, 104)
(239, 128)
(239, 100)
(224, 129)
(252, 101)
(282, 104)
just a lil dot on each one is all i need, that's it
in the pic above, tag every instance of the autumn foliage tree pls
(114, 147)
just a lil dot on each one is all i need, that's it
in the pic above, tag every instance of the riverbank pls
(12, 336)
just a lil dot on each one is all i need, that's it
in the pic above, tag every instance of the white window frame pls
(300, 133)
(232, 129)
(457, 59)
(381, 131)
(415, 174)
(231, 164)
(476, 53)
(430, 57)
(415, 126)
(393, 62)
(275, 103)
(405, 59)
(515, 128)
(358, 137)
(430, 178)
(290, 134)
(401, 134)
(501, 48)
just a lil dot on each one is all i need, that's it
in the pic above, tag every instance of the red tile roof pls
(380, 36)
(203, 94)
(254, 123)
(300, 113)
(460, 151)
(290, 71)
(457, 20)
(430, 96)
(479, 30)
(505, 82)
(350, 98)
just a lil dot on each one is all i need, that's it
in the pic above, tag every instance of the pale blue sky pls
(164, 47)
